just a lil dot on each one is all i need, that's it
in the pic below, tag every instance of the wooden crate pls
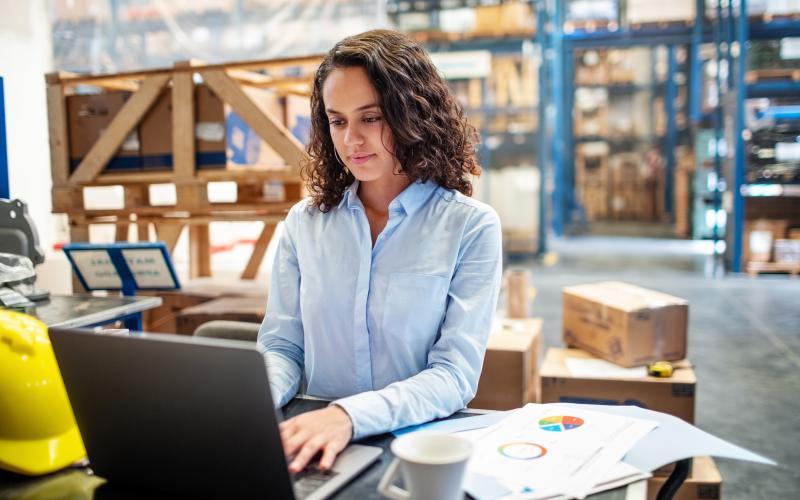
(231, 83)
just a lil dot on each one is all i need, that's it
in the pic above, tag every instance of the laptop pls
(185, 415)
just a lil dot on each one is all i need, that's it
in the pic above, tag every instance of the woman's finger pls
(294, 443)
(332, 449)
(310, 448)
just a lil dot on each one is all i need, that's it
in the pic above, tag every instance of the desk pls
(79, 484)
(75, 311)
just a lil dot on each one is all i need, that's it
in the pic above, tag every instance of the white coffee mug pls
(433, 467)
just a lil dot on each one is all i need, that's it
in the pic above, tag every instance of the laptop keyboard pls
(310, 480)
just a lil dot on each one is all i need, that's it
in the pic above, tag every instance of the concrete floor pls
(744, 340)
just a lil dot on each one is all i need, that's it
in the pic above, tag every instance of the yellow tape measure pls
(662, 369)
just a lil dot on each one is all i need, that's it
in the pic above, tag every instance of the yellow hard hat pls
(38, 433)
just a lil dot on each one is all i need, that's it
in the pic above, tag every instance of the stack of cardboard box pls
(631, 327)
(591, 178)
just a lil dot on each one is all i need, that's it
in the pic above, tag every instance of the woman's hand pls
(327, 430)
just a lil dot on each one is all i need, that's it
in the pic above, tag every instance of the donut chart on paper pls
(522, 450)
(560, 423)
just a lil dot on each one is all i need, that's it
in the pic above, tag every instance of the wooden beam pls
(121, 231)
(143, 231)
(168, 233)
(123, 123)
(67, 199)
(57, 126)
(183, 157)
(259, 249)
(136, 196)
(199, 251)
(246, 77)
(262, 123)
(138, 75)
(207, 175)
(108, 84)
(192, 195)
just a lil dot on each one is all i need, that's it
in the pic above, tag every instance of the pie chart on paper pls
(560, 423)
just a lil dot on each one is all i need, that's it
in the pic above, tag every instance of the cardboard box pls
(759, 237)
(591, 67)
(787, 251)
(704, 482)
(624, 323)
(88, 116)
(509, 377)
(658, 11)
(222, 138)
(493, 20)
(674, 395)
(248, 309)
(592, 163)
(594, 199)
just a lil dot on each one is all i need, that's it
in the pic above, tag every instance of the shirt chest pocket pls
(415, 306)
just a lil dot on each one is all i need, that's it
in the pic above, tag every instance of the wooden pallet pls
(767, 18)
(755, 268)
(192, 209)
(590, 26)
(661, 24)
(760, 75)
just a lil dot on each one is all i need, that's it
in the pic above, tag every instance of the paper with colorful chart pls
(544, 450)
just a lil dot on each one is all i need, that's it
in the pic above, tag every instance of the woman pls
(386, 279)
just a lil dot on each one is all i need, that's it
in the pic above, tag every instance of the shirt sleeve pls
(450, 379)
(281, 334)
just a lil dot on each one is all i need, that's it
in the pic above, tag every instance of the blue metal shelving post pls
(541, 42)
(739, 158)
(695, 72)
(671, 139)
(5, 191)
(559, 132)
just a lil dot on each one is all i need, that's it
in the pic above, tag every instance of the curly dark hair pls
(432, 138)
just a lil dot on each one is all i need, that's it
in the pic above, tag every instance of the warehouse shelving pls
(725, 26)
(564, 44)
(753, 29)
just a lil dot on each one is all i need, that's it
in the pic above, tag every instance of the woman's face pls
(360, 135)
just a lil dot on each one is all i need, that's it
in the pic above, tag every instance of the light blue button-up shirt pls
(395, 333)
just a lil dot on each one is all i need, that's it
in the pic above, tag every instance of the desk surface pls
(75, 311)
(79, 484)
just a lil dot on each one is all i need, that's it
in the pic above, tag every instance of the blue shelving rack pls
(5, 191)
(562, 75)
(743, 30)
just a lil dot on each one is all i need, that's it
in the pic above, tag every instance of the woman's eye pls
(336, 123)
(372, 119)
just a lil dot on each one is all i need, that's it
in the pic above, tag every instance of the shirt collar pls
(414, 196)
(350, 197)
(409, 200)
